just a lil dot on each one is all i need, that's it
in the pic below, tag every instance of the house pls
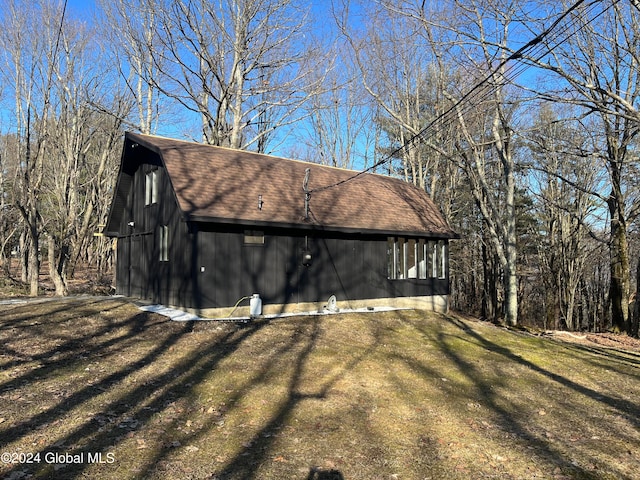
(201, 227)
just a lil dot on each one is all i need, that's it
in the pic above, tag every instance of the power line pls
(55, 54)
(64, 10)
(510, 73)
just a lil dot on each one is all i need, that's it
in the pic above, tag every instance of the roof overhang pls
(310, 227)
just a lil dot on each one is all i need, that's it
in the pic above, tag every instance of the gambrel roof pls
(215, 184)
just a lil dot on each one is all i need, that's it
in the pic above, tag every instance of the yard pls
(94, 388)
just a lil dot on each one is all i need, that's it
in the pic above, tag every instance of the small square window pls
(253, 237)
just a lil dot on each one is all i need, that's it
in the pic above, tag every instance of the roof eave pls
(324, 228)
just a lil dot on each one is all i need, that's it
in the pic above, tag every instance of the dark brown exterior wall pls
(139, 273)
(210, 266)
(351, 267)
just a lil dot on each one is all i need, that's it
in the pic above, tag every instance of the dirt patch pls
(607, 340)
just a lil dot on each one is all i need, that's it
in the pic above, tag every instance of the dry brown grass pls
(399, 395)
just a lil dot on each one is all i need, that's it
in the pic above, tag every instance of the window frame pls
(163, 243)
(151, 187)
(253, 238)
(411, 258)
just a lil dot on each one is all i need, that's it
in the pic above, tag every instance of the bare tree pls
(77, 168)
(478, 33)
(397, 72)
(29, 51)
(241, 65)
(10, 225)
(565, 182)
(595, 67)
(59, 83)
(339, 129)
(132, 29)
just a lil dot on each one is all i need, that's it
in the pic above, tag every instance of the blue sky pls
(81, 8)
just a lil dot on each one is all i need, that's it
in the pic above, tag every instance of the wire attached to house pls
(307, 192)
(520, 54)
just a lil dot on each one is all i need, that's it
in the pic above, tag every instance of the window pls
(438, 253)
(253, 237)
(415, 258)
(443, 258)
(433, 252)
(395, 258)
(151, 188)
(163, 242)
(423, 262)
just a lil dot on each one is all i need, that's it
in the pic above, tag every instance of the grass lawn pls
(95, 388)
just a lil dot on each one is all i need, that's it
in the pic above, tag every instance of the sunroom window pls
(415, 258)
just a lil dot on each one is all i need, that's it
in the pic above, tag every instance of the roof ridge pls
(269, 155)
(224, 184)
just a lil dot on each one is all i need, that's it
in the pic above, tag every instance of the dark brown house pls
(200, 227)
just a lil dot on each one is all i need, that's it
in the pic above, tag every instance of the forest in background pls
(519, 118)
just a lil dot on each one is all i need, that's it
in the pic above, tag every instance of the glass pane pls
(412, 260)
(165, 245)
(391, 258)
(442, 249)
(147, 189)
(402, 259)
(253, 237)
(154, 186)
(422, 259)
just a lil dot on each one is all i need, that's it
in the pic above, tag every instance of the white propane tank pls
(255, 305)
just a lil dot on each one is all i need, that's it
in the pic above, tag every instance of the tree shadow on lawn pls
(128, 412)
(303, 342)
(73, 347)
(510, 415)
(629, 410)
(624, 358)
(166, 363)
(140, 402)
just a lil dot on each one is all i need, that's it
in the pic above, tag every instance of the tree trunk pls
(619, 286)
(511, 295)
(24, 257)
(34, 262)
(635, 323)
(491, 305)
(56, 267)
(510, 267)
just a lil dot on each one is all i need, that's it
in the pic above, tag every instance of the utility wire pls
(64, 11)
(544, 41)
(53, 58)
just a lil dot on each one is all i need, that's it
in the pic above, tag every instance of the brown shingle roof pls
(221, 184)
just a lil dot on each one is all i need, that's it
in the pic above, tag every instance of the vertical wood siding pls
(209, 265)
(348, 267)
